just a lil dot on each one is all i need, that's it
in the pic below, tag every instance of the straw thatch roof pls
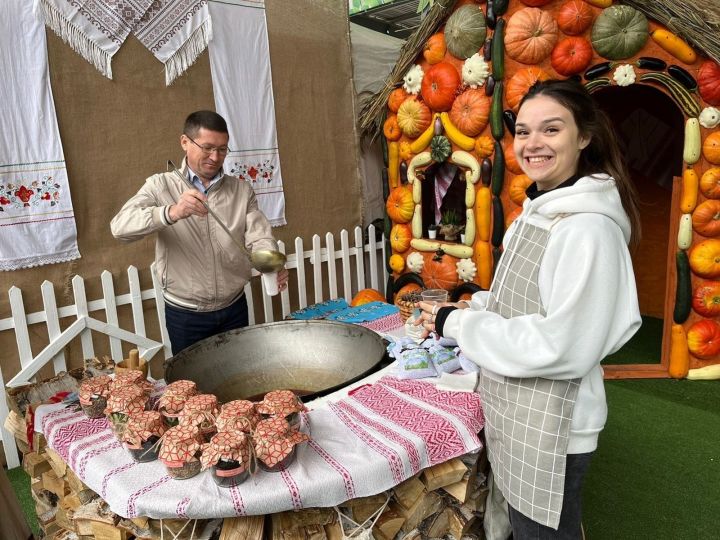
(697, 21)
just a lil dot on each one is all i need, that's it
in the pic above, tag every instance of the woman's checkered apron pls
(528, 420)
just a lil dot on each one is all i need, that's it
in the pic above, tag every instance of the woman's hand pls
(282, 279)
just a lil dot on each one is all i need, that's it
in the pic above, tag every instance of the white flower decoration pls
(710, 117)
(413, 79)
(475, 71)
(415, 262)
(466, 269)
(624, 75)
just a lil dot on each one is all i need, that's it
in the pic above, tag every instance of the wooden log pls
(105, 531)
(35, 464)
(426, 505)
(476, 501)
(363, 512)
(408, 492)
(15, 424)
(56, 462)
(55, 485)
(308, 516)
(333, 531)
(64, 518)
(39, 442)
(372, 499)
(462, 522)
(76, 484)
(461, 490)
(440, 524)
(314, 532)
(243, 528)
(388, 524)
(443, 474)
(20, 398)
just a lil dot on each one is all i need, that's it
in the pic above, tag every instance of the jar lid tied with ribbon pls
(127, 400)
(180, 445)
(143, 425)
(227, 445)
(239, 414)
(200, 409)
(94, 387)
(274, 440)
(280, 403)
(131, 377)
(182, 387)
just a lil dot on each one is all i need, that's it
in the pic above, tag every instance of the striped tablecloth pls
(361, 445)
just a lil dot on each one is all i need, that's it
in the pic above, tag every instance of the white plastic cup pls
(434, 296)
(270, 283)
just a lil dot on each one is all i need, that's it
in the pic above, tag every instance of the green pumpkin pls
(465, 31)
(440, 148)
(619, 32)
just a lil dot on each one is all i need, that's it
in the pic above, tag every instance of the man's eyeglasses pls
(207, 149)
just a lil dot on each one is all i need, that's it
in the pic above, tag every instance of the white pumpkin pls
(415, 262)
(624, 75)
(710, 117)
(475, 71)
(466, 269)
(413, 79)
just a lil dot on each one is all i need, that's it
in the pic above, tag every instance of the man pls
(200, 267)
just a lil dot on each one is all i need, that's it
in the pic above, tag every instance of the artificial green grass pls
(645, 347)
(21, 484)
(656, 472)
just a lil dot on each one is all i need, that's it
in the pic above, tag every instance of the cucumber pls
(498, 50)
(683, 288)
(683, 77)
(486, 168)
(509, 118)
(498, 170)
(499, 6)
(498, 224)
(593, 72)
(497, 129)
(648, 62)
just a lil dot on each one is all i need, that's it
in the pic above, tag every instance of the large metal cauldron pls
(312, 358)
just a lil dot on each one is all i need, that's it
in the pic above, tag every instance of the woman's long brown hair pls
(603, 153)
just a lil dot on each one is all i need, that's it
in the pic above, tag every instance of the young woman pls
(563, 297)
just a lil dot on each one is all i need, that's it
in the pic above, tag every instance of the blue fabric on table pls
(320, 310)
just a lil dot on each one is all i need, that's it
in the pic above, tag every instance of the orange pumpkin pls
(706, 218)
(705, 258)
(711, 148)
(413, 117)
(484, 146)
(405, 289)
(708, 79)
(435, 48)
(535, 3)
(439, 272)
(710, 183)
(511, 162)
(365, 296)
(396, 263)
(439, 86)
(706, 299)
(405, 152)
(530, 35)
(574, 17)
(469, 112)
(400, 205)
(391, 130)
(520, 83)
(396, 99)
(400, 236)
(517, 188)
(704, 338)
(571, 55)
(512, 216)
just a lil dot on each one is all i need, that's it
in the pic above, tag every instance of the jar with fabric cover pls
(123, 403)
(131, 378)
(180, 451)
(282, 403)
(141, 435)
(93, 395)
(201, 411)
(228, 455)
(275, 443)
(173, 400)
(237, 415)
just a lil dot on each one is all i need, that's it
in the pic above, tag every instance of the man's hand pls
(190, 204)
(282, 279)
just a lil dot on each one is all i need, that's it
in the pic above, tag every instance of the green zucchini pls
(497, 128)
(677, 91)
(499, 6)
(498, 170)
(649, 62)
(593, 72)
(683, 77)
(683, 288)
(498, 50)
(486, 168)
(498, 222)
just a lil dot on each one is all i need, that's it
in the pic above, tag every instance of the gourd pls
(469, 227)
(440, 149)
(400, 237)
(497, 128)
(365, 296)
(619, 32)
(483, 217)
(469, 112)
(574, 17)
(422, 142)
(706, 373)
(677, 91)
(685, 231)
(706, 218)
(455, 135)
(396, 98)
(530, 35)
(709, 82)
(393, 164)
(465, 31)
(703, 338)
(391, 130)
(413, 117)
(439, 272)
(571, 55)
(706, 299)
(484, 263)
(498, 51)
(682, 76)
(517, 188)
(435, 48)
(679, 353)
(683, 288)
(710, 183)
(704, 258)
(439, 86)
(690, 182)
(419, 160)
(675, 45)
(400, 205)
(711, 148)
(416, 224)
(396, 263)
(467, 160)
(691, 144)
(484, 146)
(520, 83)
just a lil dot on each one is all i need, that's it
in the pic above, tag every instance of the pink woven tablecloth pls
(361, 445)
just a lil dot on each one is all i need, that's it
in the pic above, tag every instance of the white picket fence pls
(361, 265)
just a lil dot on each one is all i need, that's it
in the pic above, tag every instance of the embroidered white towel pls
(242, 84)
(37, 223)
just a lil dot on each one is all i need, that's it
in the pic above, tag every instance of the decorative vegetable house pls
(448, 123)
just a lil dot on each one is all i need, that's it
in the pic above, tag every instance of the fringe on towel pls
(188, 52)
(77, 39)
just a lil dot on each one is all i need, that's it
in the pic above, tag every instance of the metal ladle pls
(262, 260)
